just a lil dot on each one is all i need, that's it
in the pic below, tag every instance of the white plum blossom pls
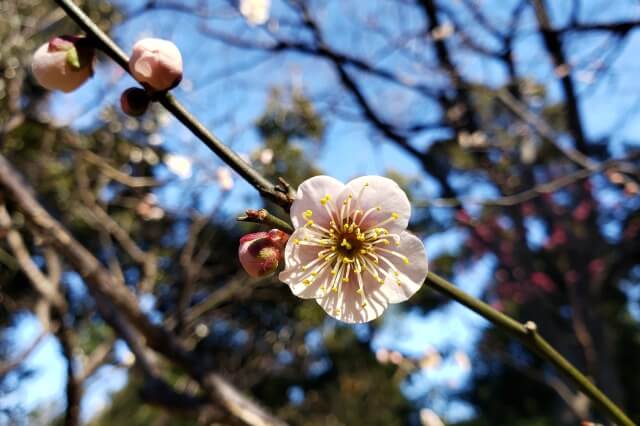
(350, 250)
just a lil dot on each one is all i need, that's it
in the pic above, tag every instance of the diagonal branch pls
(267, 189)
(553, 44)
(8, 366)
(103, 287)
(47, 289)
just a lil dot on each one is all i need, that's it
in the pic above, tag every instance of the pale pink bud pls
(261, 252)
(134, 101)
(64, 63)
(156, 63)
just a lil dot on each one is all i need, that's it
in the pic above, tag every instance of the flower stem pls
(526, 333)
(263, 217)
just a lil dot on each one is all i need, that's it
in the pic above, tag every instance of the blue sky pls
(230, 106)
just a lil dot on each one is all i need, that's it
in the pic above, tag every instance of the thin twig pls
(263, 217)
(40, 282)
(102, 286)
(226, 154)
(8, 366)
(530, 336)
(540, 189)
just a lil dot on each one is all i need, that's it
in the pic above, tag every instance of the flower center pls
(349, 243)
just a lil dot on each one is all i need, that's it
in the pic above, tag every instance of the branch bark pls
(103, 287)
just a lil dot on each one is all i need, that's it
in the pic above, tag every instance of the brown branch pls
(96, 359)
(543, 129)
(540, 189)
(263, 217)
(238, 284)
(99, 218)
(467, 120)
(117, 175)
(74, 385)
(553, 43)
(8, 366)
(40, 282)
(191, 268)
(621, 27)
(102, 286)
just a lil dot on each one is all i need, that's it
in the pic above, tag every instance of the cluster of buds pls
(157, 65)
(66, 62)
(260, 253)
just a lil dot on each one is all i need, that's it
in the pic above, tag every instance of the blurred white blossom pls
(462, 359)
(429, 418)
(179, 164)
(431, 359)
(202, 330)
(443, 31)
(256, 12)
(382, 355)
(266, 156)
(148, 209)
(224, 178)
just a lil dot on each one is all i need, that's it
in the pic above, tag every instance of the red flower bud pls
(134, 101)
(260, 253)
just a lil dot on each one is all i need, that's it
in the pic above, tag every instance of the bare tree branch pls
(103, 287)
(40, 282)
(17, 360)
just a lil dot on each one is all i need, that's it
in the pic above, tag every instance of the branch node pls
(531, 327)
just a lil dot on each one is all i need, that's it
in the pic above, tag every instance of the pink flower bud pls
(156, 63)
(261, 252)
(64, 63)
(134, 101)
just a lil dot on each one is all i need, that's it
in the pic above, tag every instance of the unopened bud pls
(260, 253)
(156, 63)
(64, 63)
(134, 101)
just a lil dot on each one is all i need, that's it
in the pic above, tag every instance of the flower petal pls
(295, 257)
(370, 192)
(411, 275)
(310, 192)
(346, 305)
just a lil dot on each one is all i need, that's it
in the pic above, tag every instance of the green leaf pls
(73, 59)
